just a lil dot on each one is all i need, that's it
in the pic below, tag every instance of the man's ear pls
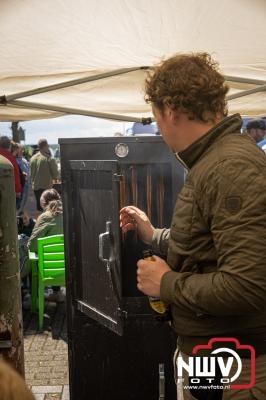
(168, 112)
(173, 115)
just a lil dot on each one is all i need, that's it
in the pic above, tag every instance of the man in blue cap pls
(257, 129)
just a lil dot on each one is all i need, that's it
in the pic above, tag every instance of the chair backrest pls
(51, 258)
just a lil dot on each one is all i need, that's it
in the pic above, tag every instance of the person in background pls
(25, 226)
(43, 170)
(50, 222)
(256, 128)
(25, 168)
(25, 223)
(22, 174)
(212, 269)
(5, 151)
(12, 385)
(262, 143)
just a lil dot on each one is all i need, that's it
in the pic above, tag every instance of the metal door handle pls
(103, 237)
(161, 382)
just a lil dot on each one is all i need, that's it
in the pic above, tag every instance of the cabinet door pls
(96, 270)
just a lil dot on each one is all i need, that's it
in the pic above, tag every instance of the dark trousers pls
(38, 194)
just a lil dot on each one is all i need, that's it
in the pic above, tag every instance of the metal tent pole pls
(12, 99)
(261, 88)
(238, 79)
(72, 82)
(68, 110)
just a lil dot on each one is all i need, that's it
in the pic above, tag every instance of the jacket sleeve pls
(32, 170)
(40, 230)
(17, 178)
(234, 203)
(53, 168)
(160, 241)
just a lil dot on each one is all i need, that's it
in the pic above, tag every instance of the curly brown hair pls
(188, 83)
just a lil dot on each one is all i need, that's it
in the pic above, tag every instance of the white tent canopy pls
(47, 43)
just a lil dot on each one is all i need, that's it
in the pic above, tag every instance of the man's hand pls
(149, 275)
(132, 218)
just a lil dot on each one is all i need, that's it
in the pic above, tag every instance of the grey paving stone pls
(55, 363)
(59, 352)
(61, 345)
(42, 339)
(29, 376)
(65, 394)
(28, 337)
(58, 368)
(38, 382)
(62, 381)
(43, 375)
(62, 357)
(44, 369)
(47, 389)
(39, 396)
(52, 396)
(58, 374)
(31, 364)
(39, 357)
(29, 355)
(46, 353)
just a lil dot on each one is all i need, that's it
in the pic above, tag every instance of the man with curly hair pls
(214, 276)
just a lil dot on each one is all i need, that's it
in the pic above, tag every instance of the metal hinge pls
(122, 313)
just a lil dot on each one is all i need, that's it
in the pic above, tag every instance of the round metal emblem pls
(121, 150)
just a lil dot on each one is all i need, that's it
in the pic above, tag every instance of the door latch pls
(161, 382)
(117, 177)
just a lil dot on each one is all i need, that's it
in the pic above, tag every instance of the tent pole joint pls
(3, 100)
(146, 121)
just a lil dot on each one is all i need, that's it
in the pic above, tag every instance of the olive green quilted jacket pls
(216, 245)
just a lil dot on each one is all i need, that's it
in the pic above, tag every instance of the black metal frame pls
(104, 365)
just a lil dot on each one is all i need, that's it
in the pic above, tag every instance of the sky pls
(71, 126)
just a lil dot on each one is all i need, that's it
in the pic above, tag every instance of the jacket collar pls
(193, 153)
(45, 153)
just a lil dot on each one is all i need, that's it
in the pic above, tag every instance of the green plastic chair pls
(48, 269)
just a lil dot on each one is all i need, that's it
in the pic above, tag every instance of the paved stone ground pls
(46, 358)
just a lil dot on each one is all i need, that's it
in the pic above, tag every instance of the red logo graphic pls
(235, 355)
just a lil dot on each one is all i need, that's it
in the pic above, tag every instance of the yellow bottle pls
(155, 302)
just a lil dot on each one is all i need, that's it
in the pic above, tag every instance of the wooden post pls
(11, 326)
